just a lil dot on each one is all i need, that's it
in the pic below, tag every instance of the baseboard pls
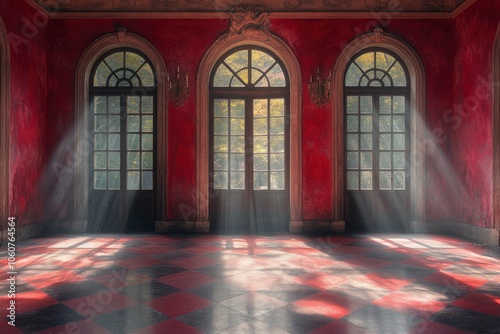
(182, 227)
(316, 227)
(482, 235)
(24, 232)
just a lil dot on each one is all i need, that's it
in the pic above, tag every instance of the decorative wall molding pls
(4, 125)
(286, 55)
(417, 118)
(496, 130)
(90, 55)
(249, 20)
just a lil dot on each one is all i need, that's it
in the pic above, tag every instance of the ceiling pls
(211, 6)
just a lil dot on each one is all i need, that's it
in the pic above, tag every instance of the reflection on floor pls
(250, 284)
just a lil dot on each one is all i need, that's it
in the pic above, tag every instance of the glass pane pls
(133, 124)
(260, 162)
(366, 104)
(385, 104)
(133, 180)
(385, 181)
(114, 160)
(147, 123)
(237, 162)
(399, 160)
(100, 180)
(147, 180)
(352, 180)
(352, 76)
(133, 104)
(101, 75)
(277, 107)
(146, 75)
(260, 144)
(220, 108)
(276, 76)
(115, 60)
(237, 180)
(398, 75)
(399, 180)
(352, 123)
(133, 141)
(100, 142)
(220, 126)
(366, 180)
(221, 161)
(238, 144)
(237, 60)
(399, 141)
(277, 125)
(385, 123)
(133, 160)
(384, 60)
(366, 160)
(277, 144)
(114, 141)
(243, 75)
(222, 76)
(100, 106)
(114, 104)
(366, 141)
(237, 108)
(366, 123)
(399, 123)
(352, 105)
(260, 126)
(385, 160)
(147, 104)
(237, 126)
(399, 104)
(258, 75)
(352, 142)
(277, 162)
(352, 160)
(385, 142)
(133, 60)
(147, 142)
(100, 123)
(366, 61)
(277, 180)
(114, 124)
(260, 108)
(260, 180)
(114, 180)
(100, 160)
(221, 180)
(221, 144)
(261, 60)
(147, 160)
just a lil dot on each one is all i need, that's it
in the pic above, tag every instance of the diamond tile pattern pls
(185, 284)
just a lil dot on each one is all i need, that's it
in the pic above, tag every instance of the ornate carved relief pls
(250, 21)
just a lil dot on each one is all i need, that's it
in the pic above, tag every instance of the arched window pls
(376, 90)
(249, 97)
(123, 106)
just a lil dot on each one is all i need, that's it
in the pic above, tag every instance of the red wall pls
(183, 42)
(28, 36)
(471, 142)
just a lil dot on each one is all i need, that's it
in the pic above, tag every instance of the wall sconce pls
(319, 89)
(178, 88)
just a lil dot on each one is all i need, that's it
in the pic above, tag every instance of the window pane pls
(221, 161)
(366, 180)
(399, 161)
(114, 124)
(259, 75)
(352, 180)
(277, 107)
(260, 162)
(385, 142)
(114, 180)
(277, 162)
(352, 160)
(237, 126)
(237, 108)
(384, 60)
(100, 106)
(113, 104)
(385, 123)
(100, 160)
(277, 125)
(221, 144)
(352, 105)
(260, 144)
(147, 160)
(398, 75)
(147, 180)
(133, 180)
(220, 126)
(237, 60)
(147, 142)
(261, 60)
(277, 144)
(366, 123)
(366, 160)
(260, 180)
(260, 108)
(366, 104)
(352, 123)
(100, 180)
(147, 104)
(114, 160)
(366, 61)
(100, 142)
(221, 180)
(238, 144)
(399, 180)
(260, 126)
(133, 123)
(276, 76)
(100, 123)
(352, 142)
(220, 108)
(399, 123)
(133, 104)
(146, 75)
(133, 141)
(277, 180)
(399, 104)
(352, 76)
(243, 76)
(385, 160)
(385, 181)
(222, 76)
(238, 162)
(147, 123)
(101, 75)
(114, 141)
(366, 141)
(399, 141)
(133, 160)
(237, 180)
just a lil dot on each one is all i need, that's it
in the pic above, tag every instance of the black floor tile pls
(407, 271)
(47, 317)
(219, 291)
(161, 270)
(148, 290)
(468, 320)
(74, 290)
(130, 319)
(214, 319)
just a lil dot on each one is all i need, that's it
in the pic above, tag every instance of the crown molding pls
(462, 8)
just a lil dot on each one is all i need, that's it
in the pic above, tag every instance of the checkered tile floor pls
(251, 284)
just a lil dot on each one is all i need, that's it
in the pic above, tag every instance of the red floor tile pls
(482, 303)
(32, 300)
(100, 303)
(179, 303)
(387, 281)
(52, 278)
(168, 326)
(121, 278)
(456, 281)
(429, 327)
(83, 326)
(320, 281)
(139, 262)
(329, 304)
(194, 262)
(417, 304)
(186, 280)
(341, 327)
